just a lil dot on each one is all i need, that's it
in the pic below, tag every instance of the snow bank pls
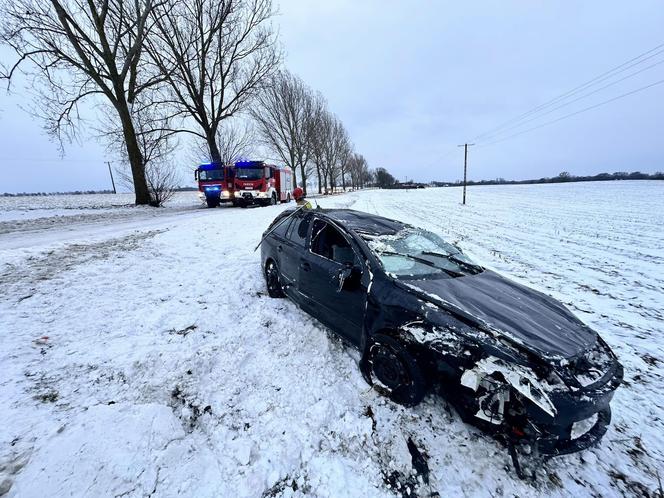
(106, 450)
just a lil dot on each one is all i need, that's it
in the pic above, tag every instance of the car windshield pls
(414, 253)
(249, 173)
(212, 174)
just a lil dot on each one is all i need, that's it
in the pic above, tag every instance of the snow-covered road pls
(141, 356)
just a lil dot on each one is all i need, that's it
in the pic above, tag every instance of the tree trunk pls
(135, 158)
(303, 175)
(320, 184)
(211, 139)
(293, 167)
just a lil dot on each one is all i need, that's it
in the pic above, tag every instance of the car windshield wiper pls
(426, 262)
(470, 266)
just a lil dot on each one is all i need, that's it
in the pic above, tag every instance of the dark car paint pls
(312, 282)
(475, 308)
(530, 318)
(526, 317)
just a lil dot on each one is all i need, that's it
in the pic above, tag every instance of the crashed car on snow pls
(511, 360)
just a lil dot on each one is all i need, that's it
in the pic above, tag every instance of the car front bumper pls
(557, 437)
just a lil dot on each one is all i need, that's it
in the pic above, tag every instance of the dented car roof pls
(363, 222)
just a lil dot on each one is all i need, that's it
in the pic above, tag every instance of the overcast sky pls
(411, 80)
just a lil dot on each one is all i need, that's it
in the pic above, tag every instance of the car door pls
(291, 250)
(277, 240)
(328, 252)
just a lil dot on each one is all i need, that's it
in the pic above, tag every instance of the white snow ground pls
(141, 356)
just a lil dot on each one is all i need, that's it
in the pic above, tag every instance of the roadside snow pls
(117, 450)
(141, 355)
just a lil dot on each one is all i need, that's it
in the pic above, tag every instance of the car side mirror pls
(349, 277)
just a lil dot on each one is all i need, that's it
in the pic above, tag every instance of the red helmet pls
(298, 193)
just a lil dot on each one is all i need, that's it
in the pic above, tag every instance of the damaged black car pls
(511, 360)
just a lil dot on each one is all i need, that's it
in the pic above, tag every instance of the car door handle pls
(305, 266)
(280, 248)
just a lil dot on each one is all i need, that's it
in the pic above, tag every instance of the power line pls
(639, 59)
(565, 104)
(576, 112)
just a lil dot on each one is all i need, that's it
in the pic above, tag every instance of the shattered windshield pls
(413, 252)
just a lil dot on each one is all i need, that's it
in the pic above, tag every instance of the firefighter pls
(300, 200)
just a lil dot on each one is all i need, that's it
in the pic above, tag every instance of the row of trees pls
(294, 122)
(563, 177)
(157, 69)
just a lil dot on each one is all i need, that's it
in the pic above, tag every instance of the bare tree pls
(321, 131)
(235, 141)
(358, 170)
(336, 147)
(317, 126)
(157, 146)
(283, 113)
(215, 55)
(162, 179)
(77, 49)
(344, 149)
(304, 152)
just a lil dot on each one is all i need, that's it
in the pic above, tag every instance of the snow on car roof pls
(358, 221)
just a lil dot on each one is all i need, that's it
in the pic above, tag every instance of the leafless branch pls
(216, 55)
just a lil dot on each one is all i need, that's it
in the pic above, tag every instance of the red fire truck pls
(215, 183)
(259, 183)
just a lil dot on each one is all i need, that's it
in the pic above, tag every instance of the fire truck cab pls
(215, 183)
(257, 182)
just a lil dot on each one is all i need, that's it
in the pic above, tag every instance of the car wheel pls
(273, 200)
(393, 371)
(212, 203)
(273, 280)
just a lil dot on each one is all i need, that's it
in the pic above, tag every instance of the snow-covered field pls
(140, 354)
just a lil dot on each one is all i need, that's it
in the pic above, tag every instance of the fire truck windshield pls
(211, 174)
(249, 173)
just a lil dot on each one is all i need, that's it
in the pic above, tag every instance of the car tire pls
(393, 372)
(212, 203)
(273, 280)
(273, 200)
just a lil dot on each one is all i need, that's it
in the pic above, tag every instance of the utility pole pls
(110, 171)
(465, 167)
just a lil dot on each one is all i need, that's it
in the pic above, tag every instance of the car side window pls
(297, 231)
(328, 242)
(282, 229)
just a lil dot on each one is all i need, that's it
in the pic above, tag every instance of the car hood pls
(526, 317)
